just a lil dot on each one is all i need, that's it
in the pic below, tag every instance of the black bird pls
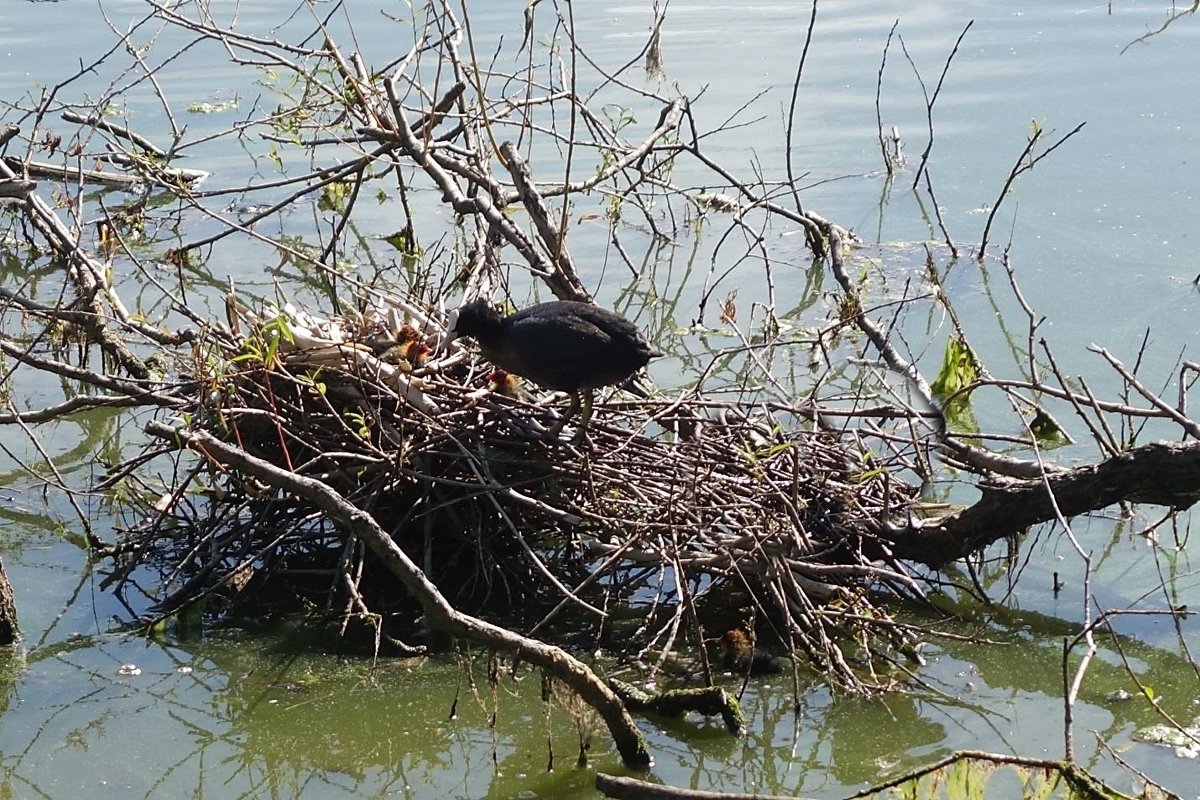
(563, 345)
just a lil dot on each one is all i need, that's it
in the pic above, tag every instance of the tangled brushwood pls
(669, 502)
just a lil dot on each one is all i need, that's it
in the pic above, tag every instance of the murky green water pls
(1102, 238)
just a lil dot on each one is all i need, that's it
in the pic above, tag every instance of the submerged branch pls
(624, 788)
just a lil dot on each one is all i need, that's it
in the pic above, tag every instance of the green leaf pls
(960, 369)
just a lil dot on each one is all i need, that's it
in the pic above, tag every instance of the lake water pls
(1100, 236)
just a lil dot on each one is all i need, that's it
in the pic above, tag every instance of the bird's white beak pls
(450, 335)
(452, 325)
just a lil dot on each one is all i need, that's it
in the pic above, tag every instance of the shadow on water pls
(247, 716)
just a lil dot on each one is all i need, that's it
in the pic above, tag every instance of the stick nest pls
(694, 514)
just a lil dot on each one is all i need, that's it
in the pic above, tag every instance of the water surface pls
(1100, 235)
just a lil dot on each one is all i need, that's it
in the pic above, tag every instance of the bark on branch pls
(1162, 473)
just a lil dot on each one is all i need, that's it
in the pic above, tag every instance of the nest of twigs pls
(670, 501)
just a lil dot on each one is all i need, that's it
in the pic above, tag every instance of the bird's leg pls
(557, 427)
(581, 428)
(587, 409)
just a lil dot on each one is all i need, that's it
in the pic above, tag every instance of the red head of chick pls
(411, 345)
(504, 382)
(739, 655)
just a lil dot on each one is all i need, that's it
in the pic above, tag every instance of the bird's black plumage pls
(565, 345)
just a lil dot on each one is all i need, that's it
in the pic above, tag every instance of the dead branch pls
(96, 120)
(1162, 473)
(16, 189)
(931, 100)
(44, 169)
(1024, 163)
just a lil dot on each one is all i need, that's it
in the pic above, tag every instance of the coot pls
(563, 345)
